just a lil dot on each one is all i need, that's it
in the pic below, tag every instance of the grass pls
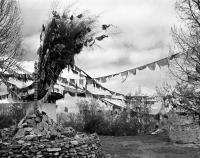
(146, 146)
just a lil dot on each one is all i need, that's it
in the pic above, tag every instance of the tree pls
(10, 33)
(63, 37)
(186, 68)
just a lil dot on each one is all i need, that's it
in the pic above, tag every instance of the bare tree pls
(10, 33)
(186, 68)
(187, 42)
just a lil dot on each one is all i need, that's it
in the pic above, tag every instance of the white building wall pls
(49, 109)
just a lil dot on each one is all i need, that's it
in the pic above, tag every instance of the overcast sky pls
(144, 27)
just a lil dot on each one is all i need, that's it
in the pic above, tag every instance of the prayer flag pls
(163, 62)
(142, 67)
(103, 79)
(72, 81)
(98, 86)
(98, 79)
(81, 81)
(109, 77)
(192, 79)
(133, 71)
(152, 66)
(81, 75)
(115, 75)
(124, 75)
(74, 72)
(89, 81)
(174, 56)
(77, 69)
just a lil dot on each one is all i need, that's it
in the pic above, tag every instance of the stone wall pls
(183, 129)
(37, 135)
(185, 133)
(81, 146)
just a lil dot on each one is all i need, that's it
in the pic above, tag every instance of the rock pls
(20, 142)
(74, 142)
(3, 151)
(67, 146)
(40, 126)
(48, 135)
(80, 136)
(28, 129)
(33, 116)
(31, 122)
(39, 153)
(85, 146)
(45, 126)
(38, 119)
(24, 125)
(37, 132)
(69, 132)
(20, 134)
(21, 122)
(44, 140)
(30, 137)
(28, 144)
(6, 143)
(41, 146)
(44, 133)
(10, 152)
(33, 150)
(53, 149)
(81, 153)
(16, 146)
(44, 118)
(23, 152)
(56, 154)
(44, 113)
(72, 150)
(50, 121)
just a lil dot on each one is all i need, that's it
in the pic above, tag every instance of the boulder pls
(38, 119)
(20, 134)
(74, 142)
(53, 149)
(30, 137)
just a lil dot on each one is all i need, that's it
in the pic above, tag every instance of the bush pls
(6, 121)
(71, 120)
(93, 119)
(16, 113)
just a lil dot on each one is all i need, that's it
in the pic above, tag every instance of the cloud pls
(31, 45)
(144, 35)
(35, 13)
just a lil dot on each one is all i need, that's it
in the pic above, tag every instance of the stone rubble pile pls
(40, 126)
(38, 136)
(76, 147)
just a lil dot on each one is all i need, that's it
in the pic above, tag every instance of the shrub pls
(71, 120)
(93, 119)
(15, 114)
(6, 121)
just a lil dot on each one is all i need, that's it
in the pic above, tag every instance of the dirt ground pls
(148, 146)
